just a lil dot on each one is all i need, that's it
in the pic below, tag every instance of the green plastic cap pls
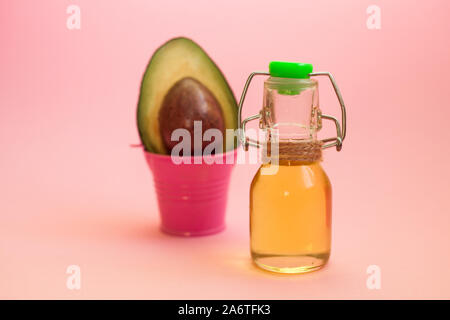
(294, 70)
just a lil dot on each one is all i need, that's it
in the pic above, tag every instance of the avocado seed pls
(187, 101)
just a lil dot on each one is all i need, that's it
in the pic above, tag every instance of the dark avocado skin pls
(187, 101)
(146, 138)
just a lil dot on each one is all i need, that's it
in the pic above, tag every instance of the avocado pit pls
(187, 101)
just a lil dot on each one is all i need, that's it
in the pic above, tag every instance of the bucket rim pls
(168, 156)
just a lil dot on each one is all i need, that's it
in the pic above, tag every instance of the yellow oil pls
(290, 217)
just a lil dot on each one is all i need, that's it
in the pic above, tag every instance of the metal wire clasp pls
(341, 130)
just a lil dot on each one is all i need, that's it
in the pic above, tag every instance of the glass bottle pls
(290, 195)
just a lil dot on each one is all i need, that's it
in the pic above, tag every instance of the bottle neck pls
(290, 117)
(291, 109)
(298, 150)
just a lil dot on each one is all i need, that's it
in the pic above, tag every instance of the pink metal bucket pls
(192, 197)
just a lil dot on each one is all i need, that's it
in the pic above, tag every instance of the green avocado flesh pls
(182, 85)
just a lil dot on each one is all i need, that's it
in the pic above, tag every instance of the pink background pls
(72, 191)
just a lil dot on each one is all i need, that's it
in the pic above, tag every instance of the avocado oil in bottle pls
(290, 217)
(290, 195)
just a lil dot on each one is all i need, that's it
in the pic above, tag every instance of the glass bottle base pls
(290, 263)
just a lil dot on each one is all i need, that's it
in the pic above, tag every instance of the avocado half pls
(182, 84)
